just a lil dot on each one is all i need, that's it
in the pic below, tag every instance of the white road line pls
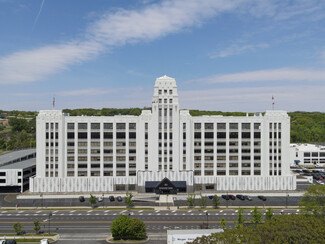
(38, 211)
(106, 211)
(173, 211)
(72, 211)
(21, 211)
(221, 211)
(62, 214)
(123, 211)
(157, 211)
(89, 211)
(26, 214)
(149, 213)
(79, 214)
(140, 211)
(55, 211)
(232, 214)
(4, 212)
(189, 211)
(224, 214)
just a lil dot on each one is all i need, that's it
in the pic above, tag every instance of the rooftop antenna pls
(273, 102)
(53, 102)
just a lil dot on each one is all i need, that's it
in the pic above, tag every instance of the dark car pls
(111, 198)
(81, 199)
(211, 197)
(262, 198)
(11, 242)
(241, 197)
(119, 198)
(232, 197)
(226, 197)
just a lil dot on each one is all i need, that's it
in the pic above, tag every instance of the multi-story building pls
(16, 168)
(307, 154)
(125, 153)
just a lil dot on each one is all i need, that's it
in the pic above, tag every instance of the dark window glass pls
(208, 135)
(70, 135)
(108, 135)
(120, 135)
(82, 135)
(221, 134)
(82, 126)
(95, 126)
(108, 126)
(246, 135)
(71, 126)
(197, 135)
(95, 135)
(132, 135)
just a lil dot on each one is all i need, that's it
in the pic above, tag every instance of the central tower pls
(165, 114)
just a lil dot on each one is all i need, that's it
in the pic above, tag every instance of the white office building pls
(135, 153)
(306, 153)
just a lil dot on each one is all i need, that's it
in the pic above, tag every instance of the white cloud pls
(285, 74)
(236, 49)
(127, 26)
(255, 99)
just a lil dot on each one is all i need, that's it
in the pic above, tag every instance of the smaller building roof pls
(308, 147)
(20, 165)
(11, 156)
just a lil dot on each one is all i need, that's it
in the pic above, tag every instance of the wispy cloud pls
(86, 92)
(129, 26)
(285, 74)
(111, 29)
(237, 49)
(39, 13)
(253, 99)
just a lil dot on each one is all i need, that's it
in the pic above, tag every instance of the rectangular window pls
(132, 126)
(70, 126)
(208, 126)
(120, 126)
(82, 126)
(95, 126)
(108, 126)
(82, 135)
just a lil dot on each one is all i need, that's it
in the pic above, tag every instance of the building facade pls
(122, 153)
(16, 168)
(307, 154)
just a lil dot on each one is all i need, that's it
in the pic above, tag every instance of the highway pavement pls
(80, 226)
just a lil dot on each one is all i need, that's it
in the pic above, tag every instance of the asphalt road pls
(93, 226)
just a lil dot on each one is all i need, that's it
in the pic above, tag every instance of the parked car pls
(248, 198)
(3, 242)
(241, 197)
(111, 198)
(226, 197)
(211, 197)
(44, 241)
(100, 199)
(81, 199)
(11, 242)
(320, 182)
(232, 197)
(119, 198)
(262, 198)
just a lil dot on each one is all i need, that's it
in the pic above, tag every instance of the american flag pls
(53, 103)
(273, 100)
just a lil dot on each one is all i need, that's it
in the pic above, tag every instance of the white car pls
(320, 182)
(44, 241)
(100, 199)
(3, 242)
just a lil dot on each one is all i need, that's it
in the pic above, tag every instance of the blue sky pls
(225, 55)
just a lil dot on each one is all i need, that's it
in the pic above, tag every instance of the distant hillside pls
(20, 132)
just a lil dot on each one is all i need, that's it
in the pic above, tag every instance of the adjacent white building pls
(122, 153)
(307, 153)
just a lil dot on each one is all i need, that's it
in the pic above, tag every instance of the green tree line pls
(305, 126)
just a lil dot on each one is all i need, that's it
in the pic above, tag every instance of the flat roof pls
(20, 165)
(10, 156)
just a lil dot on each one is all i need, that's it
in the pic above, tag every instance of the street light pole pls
(207, 214)
(287, 195)
(50, 214)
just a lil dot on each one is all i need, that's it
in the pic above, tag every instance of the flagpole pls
(273, 102)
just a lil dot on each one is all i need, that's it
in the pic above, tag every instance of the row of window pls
(222, 126)
(232, 135)
(223, 143)
(97, 144)
(314, 154)
(97, 135)
(223, 172)
(96, 126)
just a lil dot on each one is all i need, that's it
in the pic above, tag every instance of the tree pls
(203, 201)
(269, 214)
(280, 229)
(17, 227)
(128, 229)
(190, 200)
(128, 199)
(137, 229)
(313, 201)
(37, 226)
(223, 223)
(257, 216)
(241, 219)
(92, 200)
(215, 201)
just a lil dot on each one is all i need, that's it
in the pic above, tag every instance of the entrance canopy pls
(165, 186)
